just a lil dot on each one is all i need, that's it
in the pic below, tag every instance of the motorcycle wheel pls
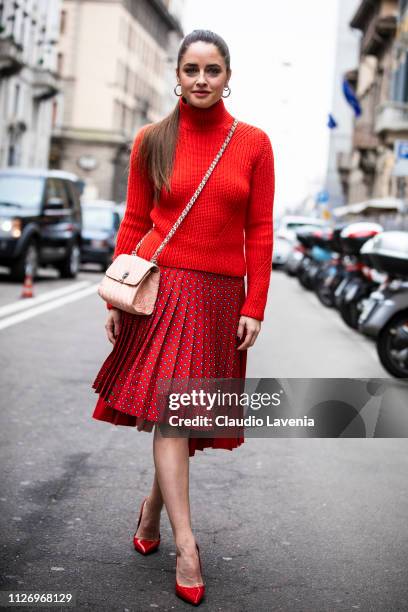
(392, 345)
(303, 279)
(325, 294)
(350, 313)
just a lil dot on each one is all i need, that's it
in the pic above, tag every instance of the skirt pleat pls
(191, 334)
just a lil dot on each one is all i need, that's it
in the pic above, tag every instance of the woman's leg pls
(171, 457)
(149, 527)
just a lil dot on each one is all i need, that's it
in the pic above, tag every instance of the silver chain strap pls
(191, 202)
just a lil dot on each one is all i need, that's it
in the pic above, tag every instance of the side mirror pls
(116, 220)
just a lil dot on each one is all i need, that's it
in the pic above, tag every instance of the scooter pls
(304, 236)
(332, 272)
(358, 280)
(385, 312)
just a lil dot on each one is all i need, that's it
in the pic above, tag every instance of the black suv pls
(40, 221)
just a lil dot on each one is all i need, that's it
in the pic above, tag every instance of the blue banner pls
(351, 97)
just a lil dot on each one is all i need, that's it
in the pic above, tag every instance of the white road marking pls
(37, 310)
(24, 304)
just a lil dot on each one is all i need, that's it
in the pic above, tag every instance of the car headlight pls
(11, 226)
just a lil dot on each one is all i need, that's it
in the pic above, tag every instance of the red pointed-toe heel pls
(193, 594)
(145, 547)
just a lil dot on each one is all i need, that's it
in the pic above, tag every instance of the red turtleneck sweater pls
(234, 210)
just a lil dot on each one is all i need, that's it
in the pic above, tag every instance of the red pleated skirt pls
(192, 333)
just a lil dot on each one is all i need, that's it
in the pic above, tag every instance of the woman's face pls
(202, 69)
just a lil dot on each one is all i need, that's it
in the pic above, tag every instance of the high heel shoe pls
(191, 594)
(143, 546)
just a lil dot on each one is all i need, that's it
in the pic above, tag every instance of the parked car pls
(100, 223)
(287, 225)
(282, 249)
(285, 236)
(120, 209)
(40, 221)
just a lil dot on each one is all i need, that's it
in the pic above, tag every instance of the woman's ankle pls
(154, 507)
(185, 544)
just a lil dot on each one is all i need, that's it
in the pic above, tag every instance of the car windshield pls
(21, 191)
(97, 218)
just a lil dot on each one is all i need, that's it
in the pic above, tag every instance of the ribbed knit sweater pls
(233, 212)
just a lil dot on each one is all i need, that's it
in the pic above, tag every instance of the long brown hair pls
(157, 149)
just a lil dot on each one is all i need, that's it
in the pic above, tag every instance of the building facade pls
(28, 80)
(392, 115)
(347, 52)
(366, 171)
(114, 64)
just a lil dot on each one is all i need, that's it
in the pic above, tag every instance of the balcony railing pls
(391, 117)
(11, 57)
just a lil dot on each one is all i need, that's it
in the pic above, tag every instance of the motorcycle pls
(304, 236)
(316, 253)
(358, 280)
(384, 314)
(332, 273)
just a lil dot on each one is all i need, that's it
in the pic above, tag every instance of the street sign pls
(322, 197)
(401, 158)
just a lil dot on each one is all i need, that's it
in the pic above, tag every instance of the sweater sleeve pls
(136, 221)
(259, 232)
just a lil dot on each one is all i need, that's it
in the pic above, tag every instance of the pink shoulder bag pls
(131, 282)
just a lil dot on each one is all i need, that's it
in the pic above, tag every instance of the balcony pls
(45, 84)
(11, 57)
(391, 117)
(378, 22)
(380, 30)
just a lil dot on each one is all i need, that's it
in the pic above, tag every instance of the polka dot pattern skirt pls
(190, 334)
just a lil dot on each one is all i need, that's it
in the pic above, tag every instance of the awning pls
(385, 205)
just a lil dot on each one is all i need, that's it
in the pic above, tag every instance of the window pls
(404, 78)
(60, 63)
(73, 195)
(63, 22)
(54, 190)
(23, 191)
(54, 113)
(97, 218)
(16, 99)
(399, 86)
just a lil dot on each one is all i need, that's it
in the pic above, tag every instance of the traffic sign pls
(322, 197)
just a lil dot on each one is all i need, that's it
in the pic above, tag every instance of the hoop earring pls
(228, 89)
(176, 91)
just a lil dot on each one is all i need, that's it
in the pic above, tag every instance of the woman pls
(203, 322)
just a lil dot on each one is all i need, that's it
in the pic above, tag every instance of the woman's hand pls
(112, 325)
(252, 327)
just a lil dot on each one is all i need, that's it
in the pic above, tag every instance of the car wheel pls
(106, 263)
(69, 267)
(27, 263)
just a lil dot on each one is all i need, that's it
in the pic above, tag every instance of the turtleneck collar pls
(194, 118)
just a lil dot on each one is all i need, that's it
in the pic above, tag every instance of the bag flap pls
(130, 269)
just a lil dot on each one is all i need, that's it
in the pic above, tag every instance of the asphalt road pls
(289, 525)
